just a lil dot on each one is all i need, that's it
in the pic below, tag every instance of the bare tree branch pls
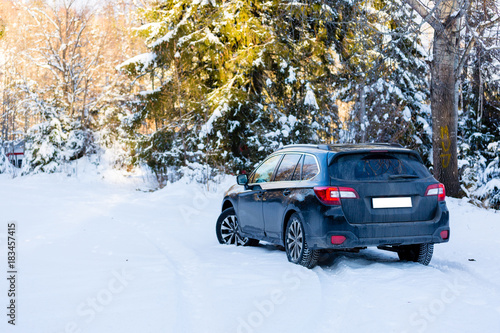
(464, 58)
(489, 24)
(426, 15)
(483, 26)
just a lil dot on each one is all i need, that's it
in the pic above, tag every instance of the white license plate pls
(401, 202)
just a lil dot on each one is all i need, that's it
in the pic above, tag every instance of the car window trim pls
(299, 164)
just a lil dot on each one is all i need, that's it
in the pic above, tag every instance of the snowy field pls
(107, 256)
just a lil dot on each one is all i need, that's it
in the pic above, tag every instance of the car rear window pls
(378, 167)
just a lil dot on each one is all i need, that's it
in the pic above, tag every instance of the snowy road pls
(103, 257)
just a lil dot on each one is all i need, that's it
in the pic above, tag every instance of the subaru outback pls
(315, 198)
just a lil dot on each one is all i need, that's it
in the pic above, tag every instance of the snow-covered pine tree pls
(384, 74)
(300, 72)
(5, 165)
(479, 116)
(231, 81)
(45, 144)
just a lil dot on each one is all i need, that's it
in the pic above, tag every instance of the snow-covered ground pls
(101, 256)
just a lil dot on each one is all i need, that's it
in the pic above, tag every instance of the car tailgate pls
(398, 201)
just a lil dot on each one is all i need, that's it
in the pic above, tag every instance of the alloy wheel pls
(295, 240)
(230, 231)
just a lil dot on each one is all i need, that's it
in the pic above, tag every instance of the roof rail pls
(329, 147)
(390, 144)
(320, 146)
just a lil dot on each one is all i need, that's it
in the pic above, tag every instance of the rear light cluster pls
(338, 239)
(436, 190)
(444, 234)
(331, 195)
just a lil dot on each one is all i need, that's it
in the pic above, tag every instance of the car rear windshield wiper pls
(403, 176)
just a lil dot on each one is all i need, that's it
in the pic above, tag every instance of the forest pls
(200, 88)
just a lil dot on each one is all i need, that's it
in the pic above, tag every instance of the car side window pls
(265, 171)
(287, 167)
(310, 168)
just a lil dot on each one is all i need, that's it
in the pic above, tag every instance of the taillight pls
(331, 195)
(436, 190)
(444, 234)
(338, 239)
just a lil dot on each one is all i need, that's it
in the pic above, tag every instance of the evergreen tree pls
(384, 75)
(239, 78)
(479, 117)
(45, 144)
(5, 165)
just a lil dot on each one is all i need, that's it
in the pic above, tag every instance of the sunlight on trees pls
(183, 86)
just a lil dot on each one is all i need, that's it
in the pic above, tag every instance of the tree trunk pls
(362, 112)
(480, 96)
(444, 100)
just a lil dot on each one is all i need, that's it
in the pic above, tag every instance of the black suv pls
(313, 198)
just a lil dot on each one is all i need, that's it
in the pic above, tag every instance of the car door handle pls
(286, 192)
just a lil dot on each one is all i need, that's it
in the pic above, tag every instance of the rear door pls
(391, 187)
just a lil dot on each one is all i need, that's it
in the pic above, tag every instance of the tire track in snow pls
(185, 270)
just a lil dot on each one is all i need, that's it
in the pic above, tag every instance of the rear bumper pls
(379, 234)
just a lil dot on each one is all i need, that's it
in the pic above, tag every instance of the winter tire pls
(296, 247)
(228, 230)
(421, 253)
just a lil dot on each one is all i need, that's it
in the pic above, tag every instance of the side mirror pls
(242, 180)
